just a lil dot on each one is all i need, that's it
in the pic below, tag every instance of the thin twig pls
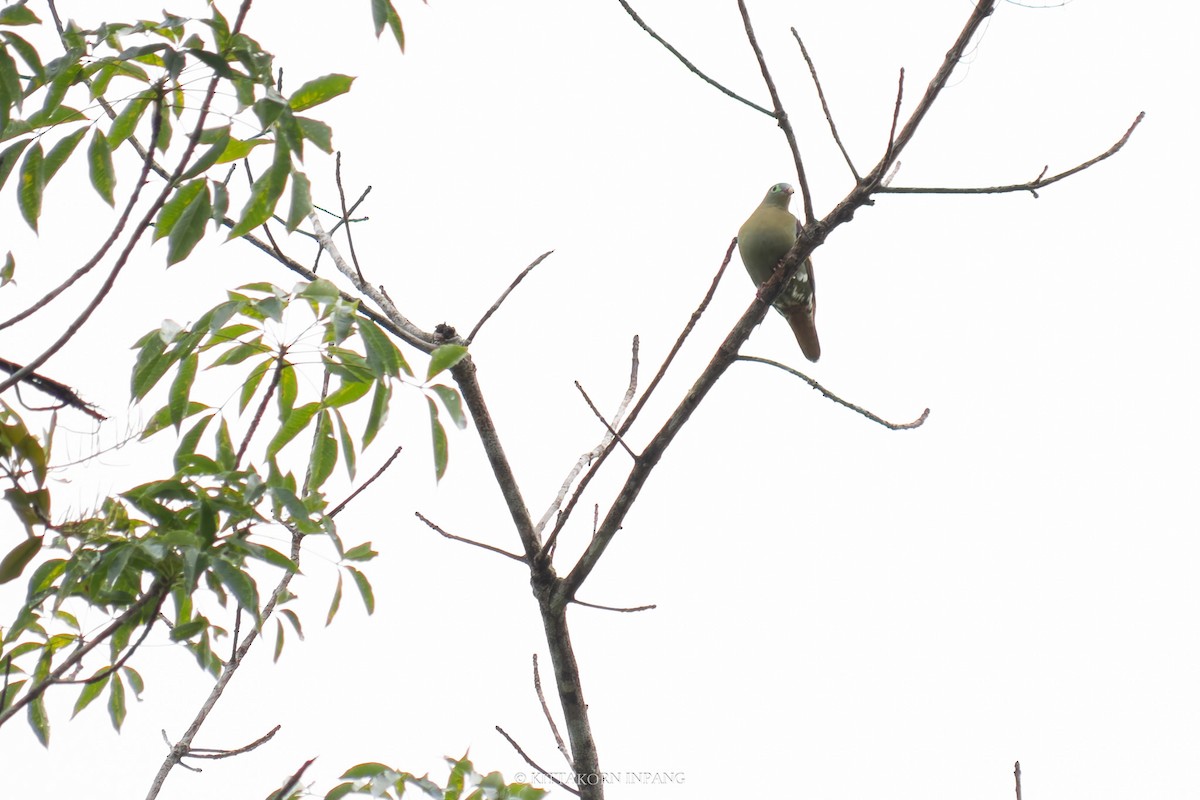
(286, 789)
(213, 754)
(600, 417)
(1032, 186)
(280, 365)
(662, 370)
(812, 70)
(534, 764)
(346, 214)
(588, 457)
(780, 116)
(633, 610)
(412, 333)
(887, 157)
(895, 426)
(689, 64)
(537, 686)
(504, 295)
(1017, 777)
(367, 483)
(449, 535)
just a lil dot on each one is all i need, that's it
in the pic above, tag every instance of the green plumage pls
(763, 240)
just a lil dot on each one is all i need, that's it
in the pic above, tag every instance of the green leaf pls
(334, 604)
(288, 388)
(190, 228)
(384, 13)
(364, 589)
(360, 552)
(100, 166)
(349, 392)
(125, 123)
(347, 442)
(90, 692)
(187, 630)
(39, 721)
(28, 53)
(8, 159)
(324, 453)
(453, 403)
(316, 132)
(379, 408)
(441, 447)
(296, 421)
(240, 585)
(135, 681)
(10, 79)
(29, 191)
(181, 387)
(319, 90)
(18, 14)
(278, 640)
(236, 149)
(8, 269)
(301, 201)
(59, 154)
(250, 386)
(116, 701)
(264, 194)
(18, 558)
(173, 209)
(445, 357)
(383, 357)
(58, 116)
(219, 142)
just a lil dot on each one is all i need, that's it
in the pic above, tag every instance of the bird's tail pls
(804, 326)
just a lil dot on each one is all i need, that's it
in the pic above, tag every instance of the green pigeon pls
(763, 241)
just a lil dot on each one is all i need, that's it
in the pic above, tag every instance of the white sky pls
(843, 611)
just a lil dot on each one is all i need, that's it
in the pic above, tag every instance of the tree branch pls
(895, 426)
(780, 116)
(692, 67)
(1032, 186)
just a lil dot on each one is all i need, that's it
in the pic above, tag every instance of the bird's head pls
(779, 195)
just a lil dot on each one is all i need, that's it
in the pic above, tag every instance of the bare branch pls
(504, 295)
(59, 391)
(688, 64)
(633, 610)
(537, 685)
(780, 116)
(534, 764)
(588, 457)
(1017, 777)
(1032, 186)
(600, 417)
(812, 70)
(895, 426)
(464, 540)
(213, 754)
(346, 214)
(887, 156)
(412, 333)
(337, 509)
(637, 408)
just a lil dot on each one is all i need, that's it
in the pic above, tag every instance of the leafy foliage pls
(379, 780)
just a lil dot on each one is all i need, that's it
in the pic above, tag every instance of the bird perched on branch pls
(763, 240)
